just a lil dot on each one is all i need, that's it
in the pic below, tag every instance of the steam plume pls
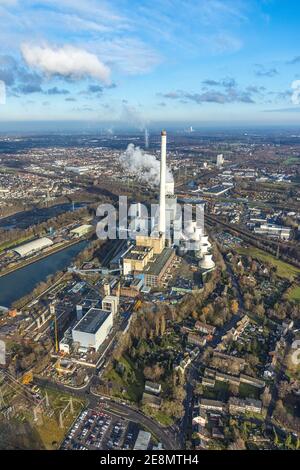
(144, 166)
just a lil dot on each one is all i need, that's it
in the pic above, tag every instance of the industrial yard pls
(128, 323)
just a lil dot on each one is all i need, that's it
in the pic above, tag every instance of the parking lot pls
(99, 430)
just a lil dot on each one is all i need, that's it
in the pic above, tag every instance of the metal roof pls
(92, 321)
(31, 247)
(155, 267)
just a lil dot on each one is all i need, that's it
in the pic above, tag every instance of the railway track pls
(266, 245)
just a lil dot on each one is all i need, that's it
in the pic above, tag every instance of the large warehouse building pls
(33, 247)
(158, 267)
(92, 330)
(81, 231)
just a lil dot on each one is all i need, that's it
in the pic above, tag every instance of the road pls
(192, 373)
(279, 376)
(165, 435)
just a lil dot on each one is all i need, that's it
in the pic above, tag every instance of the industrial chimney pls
(162, 194)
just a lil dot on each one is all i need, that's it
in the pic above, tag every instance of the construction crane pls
(137, 305)
(27, 378)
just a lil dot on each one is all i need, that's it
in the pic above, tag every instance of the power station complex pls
(143, 263)
(150, 256)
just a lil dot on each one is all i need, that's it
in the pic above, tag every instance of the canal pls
(15, 285)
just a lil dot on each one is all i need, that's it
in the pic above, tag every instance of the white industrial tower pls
(162, 194)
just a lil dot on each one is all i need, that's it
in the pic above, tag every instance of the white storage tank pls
(207, 262)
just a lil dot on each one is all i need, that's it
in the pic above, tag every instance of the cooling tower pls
(204, 240)
(207, 262)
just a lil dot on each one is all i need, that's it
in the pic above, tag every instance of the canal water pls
(21, 282)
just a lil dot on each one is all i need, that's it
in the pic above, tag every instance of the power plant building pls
(220, 160)
(136, 259)
(162, 193)
(207, 263)
(151, 256)
(92, 330)
(157, 243)
(158, 267)
(110, 303)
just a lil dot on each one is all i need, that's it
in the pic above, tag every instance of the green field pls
(295, 294)
(292, 161)
(158, 415)
(248, 391)
(12, 244)
(284, 270)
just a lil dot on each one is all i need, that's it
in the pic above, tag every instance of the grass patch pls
(49, 432)
(22, 432)
(257, 416)
(284, 270)
(219, 392)
(12, 244)
(295, 294)
(158, 415)
(291, 161)
(248, 391)
(131, 380)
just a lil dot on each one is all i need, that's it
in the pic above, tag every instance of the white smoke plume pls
(131, 116)
(144, 166)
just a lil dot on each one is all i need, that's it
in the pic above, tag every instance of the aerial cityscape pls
(149, 227)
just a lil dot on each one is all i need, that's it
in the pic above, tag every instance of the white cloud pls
(130, 55)
(197, 28)
(8, 2)
(68, 61)
(296, 92)
(222, 43)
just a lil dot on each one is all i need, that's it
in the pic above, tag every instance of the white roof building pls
(33, 247)
(92, 329)
(143, 441)
(82, 230)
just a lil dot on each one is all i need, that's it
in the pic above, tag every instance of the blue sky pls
(206, 61)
